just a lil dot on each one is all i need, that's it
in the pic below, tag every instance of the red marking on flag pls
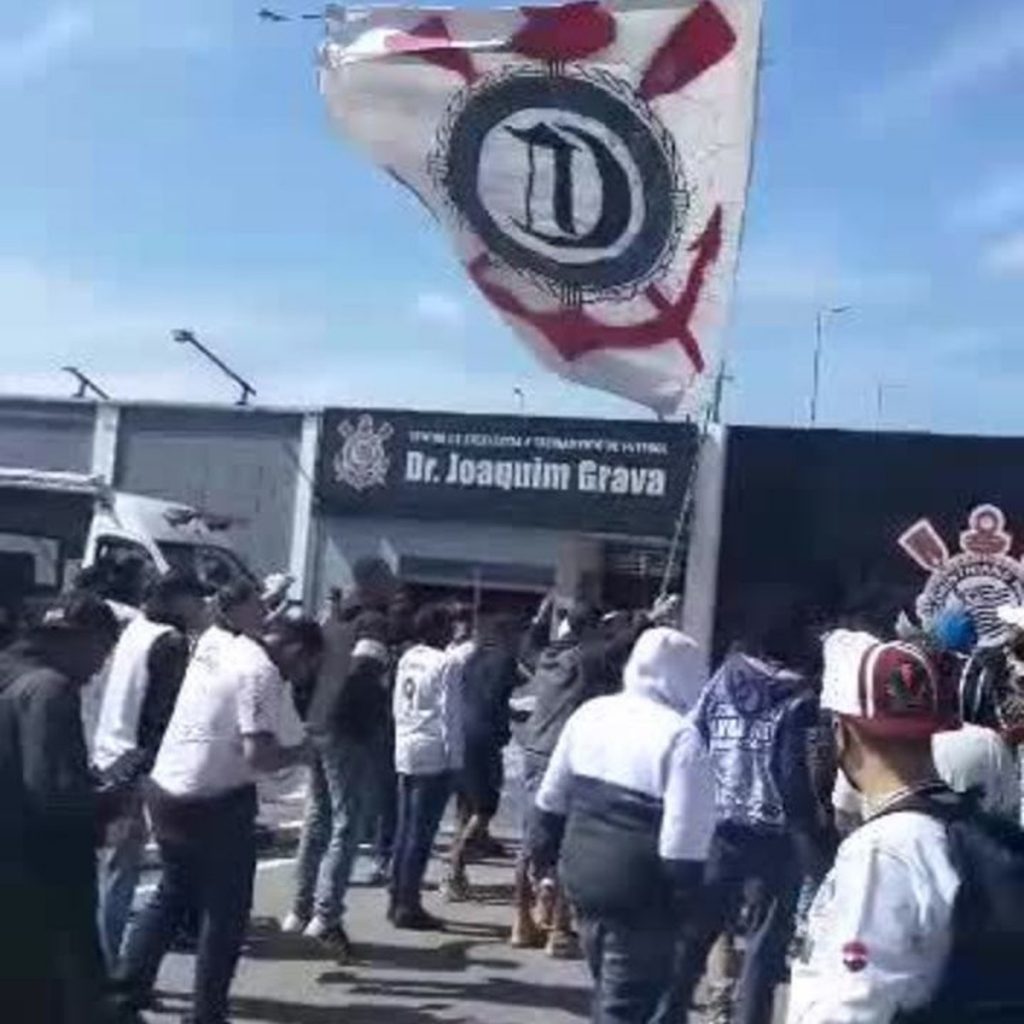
(696, 44)
(574, 333)
(431, 41)
(572, 32)
(855, 957)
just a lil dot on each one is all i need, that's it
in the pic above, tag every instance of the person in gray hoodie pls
(625, 808)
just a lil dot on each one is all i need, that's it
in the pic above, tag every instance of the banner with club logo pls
(590, 162)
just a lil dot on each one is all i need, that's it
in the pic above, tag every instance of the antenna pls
(85, 384)
(186, 337)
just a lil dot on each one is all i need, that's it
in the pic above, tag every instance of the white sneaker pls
(317, 928)
(293, 924)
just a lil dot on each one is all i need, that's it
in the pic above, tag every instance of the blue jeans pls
(120, 866)
(421, 803)
(208, 849)
(340, 787)
(383, 822)
(632, 965)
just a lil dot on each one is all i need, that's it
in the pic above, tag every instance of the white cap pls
(891, 688)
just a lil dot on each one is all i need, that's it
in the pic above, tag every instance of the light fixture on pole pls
(819, 338)
(186, 337)
(520, 400)
(85, 384)
(276, 18)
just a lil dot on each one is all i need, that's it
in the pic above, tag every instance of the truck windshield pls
(213, 565)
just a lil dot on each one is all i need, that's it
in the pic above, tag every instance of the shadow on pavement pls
(481, 932)
(493, 895)
(275, 1011)
(449, 958)
(266, 941)
(499, 991)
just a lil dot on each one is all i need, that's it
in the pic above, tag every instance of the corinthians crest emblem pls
(362, 461)
(983, 576)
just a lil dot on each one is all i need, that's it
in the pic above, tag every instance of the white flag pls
(589, 161)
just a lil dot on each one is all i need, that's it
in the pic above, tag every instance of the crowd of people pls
(833, 808)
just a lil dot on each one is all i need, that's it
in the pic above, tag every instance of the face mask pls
(564, 629)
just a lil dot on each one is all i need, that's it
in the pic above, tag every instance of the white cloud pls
(35, 51)
(110, 29)
(1005, 256)
(437, 309)
(996, 201)
(123, 336)
(971, 56)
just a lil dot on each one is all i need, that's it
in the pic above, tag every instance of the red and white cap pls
(891, 689)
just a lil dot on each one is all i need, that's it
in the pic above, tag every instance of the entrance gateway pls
(505, 505)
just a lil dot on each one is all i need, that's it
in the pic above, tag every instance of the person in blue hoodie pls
(761, 723)
(625, 809)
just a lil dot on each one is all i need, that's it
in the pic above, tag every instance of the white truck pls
(53, 524)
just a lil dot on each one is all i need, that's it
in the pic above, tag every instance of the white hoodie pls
(642, 741)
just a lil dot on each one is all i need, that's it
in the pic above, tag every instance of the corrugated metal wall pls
(46, 435)
(230, 462)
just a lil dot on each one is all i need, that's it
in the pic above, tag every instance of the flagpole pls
(681, 532)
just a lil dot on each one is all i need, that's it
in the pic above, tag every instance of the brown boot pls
(525, 933)
(562, 944)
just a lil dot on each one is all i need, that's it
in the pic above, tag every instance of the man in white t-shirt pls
(233, 720)
(880, 930)
(428, 751)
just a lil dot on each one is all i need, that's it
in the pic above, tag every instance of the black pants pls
(421, 803)
(208, 850)
(631, 964)
(743, 863)
(51, 965)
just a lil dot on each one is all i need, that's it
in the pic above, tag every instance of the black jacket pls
(568, 674)
(167, 663)
(50, 821)
(339, 639)
(362, 706)
(488, 679)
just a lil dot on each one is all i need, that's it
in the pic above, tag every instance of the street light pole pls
(819, 339)
(186, 337)
(86, 384)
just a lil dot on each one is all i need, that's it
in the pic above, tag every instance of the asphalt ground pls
(466, 974)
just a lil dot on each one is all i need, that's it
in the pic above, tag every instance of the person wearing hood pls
(762, 727)
(584, 661)
(625, 809)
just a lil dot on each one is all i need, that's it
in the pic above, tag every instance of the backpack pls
(984, 978)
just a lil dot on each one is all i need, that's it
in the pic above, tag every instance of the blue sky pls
(171, 165)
